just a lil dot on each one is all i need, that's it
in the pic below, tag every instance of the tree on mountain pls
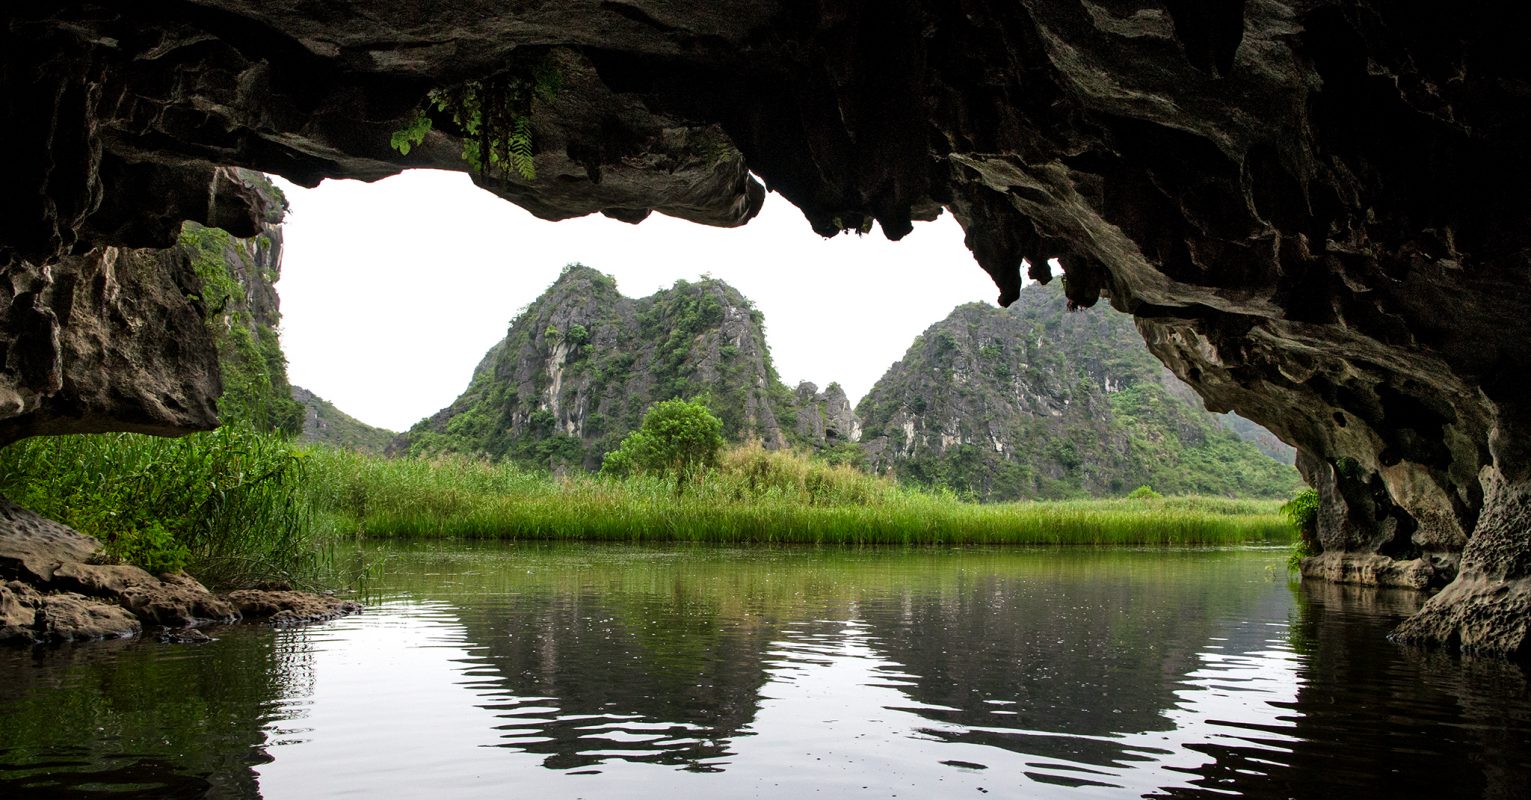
(678, 438)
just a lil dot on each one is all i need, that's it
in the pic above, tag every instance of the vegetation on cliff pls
(240, 305)
(1036, 401)
(992, 404)
(323, 423)
(579, 367)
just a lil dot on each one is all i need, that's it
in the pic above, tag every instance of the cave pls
(1309, 206)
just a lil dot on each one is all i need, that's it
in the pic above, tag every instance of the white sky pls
(392, 291)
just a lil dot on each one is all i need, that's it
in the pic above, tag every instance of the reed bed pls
(755, 496)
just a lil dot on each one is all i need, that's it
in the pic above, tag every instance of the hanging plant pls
(494, 117)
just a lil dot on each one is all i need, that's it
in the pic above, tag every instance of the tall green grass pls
(754, 496)
(238, 506)
(232, 506)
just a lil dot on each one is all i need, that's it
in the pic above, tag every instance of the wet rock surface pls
(55, 591)
(284, 607)
(1301, 201)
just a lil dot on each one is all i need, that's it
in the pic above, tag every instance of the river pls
(502, 670)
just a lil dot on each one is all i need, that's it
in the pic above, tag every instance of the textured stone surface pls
(1308, 204)
(1369, 569)
(173, 600)
(284, 607)
(108, 340)
(32, 547)
(826, 418)
(54, 591)
(70, 617)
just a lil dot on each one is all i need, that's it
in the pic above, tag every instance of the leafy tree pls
(678, 438)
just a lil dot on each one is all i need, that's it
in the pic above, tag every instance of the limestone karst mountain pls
(1031, 402)
(1036, 401)
(580, 365)
(323, 423)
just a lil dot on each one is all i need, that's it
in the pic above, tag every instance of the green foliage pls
(228, 505)
(492, 115)
(679, 439)
(1144, 492)
(753, 495)
(255, 387)
(407, 137)
(151, 547)
(1302, 512)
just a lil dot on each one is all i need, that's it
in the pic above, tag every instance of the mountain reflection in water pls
(621, 672)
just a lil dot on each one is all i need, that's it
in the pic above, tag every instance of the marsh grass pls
(230, 505)
(755, 496)
(237, 506)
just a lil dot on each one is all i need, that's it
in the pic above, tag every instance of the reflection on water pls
(620, 672)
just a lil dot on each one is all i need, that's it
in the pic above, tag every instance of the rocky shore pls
(54, 587)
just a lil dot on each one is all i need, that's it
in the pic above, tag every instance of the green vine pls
(494, 117)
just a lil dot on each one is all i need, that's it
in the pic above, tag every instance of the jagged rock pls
(283, 608)
(107, 340)
(826, 418)
(1298, 200)
(174, 600)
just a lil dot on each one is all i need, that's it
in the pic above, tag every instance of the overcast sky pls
(392, 291)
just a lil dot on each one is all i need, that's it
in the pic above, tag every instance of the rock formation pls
(54, 587)
(1308, 205)
(826, 419)
(1035, 401)
(580, 365)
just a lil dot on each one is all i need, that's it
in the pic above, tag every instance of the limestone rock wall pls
(106, 340)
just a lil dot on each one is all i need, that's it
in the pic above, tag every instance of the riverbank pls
(238, 507)
(58, 588)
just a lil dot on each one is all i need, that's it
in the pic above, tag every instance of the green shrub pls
(679, 439)
(1144, 492)
(1302, 512)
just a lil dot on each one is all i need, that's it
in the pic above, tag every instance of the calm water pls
(511, 671)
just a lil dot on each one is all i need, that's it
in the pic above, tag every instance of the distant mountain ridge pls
(323, 423)
(1036, 401)
(1030, 401)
